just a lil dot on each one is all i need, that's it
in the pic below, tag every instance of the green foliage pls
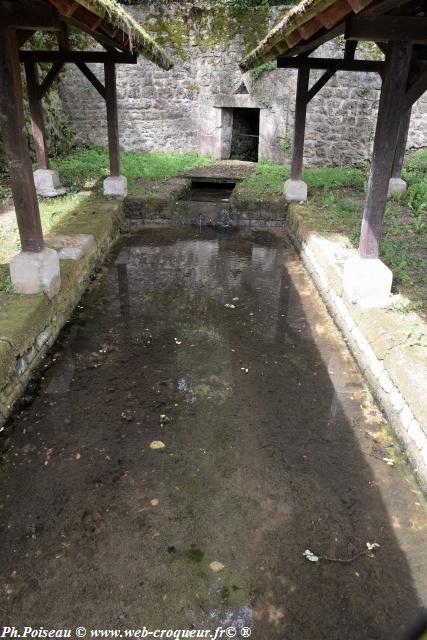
(286, 143)
(327, 178)
(87, 167)
(6, 285)
(268, 178)
(259, 71)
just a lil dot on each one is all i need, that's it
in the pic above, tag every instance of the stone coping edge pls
(325, 269)
(22, 350)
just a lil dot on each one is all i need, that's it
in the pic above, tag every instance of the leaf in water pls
(310, 556)
(196, 554)
(157, 444)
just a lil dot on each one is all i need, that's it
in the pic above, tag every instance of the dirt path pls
(217, 346)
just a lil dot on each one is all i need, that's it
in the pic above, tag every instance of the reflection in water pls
(217, 346)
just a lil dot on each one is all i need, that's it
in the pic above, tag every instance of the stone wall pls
(190, 107)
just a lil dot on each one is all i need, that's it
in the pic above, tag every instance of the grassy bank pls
(336, 199)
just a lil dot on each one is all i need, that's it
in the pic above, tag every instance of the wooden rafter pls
(64, 56)
(387, 28)
(335, 64)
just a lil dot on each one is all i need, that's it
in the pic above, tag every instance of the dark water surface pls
(219, 347)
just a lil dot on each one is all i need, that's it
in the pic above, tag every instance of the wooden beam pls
(92, 78)
(49, 78)
(415, 91)
(25, 15)
(335, 64)
(23, 35)
(350, 49)
(299, 127)
(65, 56)
(393, 88)
(324, 79)
(15, 144)
(112, 118)
(387, 28)
(402, 138)
(36, 114)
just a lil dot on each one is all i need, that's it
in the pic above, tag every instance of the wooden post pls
(398, 58)
(402, 139)
(36, 113)
(299, 128)
(112, 118)
(15, 144)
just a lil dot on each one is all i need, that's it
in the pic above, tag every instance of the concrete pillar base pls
(367, 282)
(48, 184)
(116, 186)
(295, 191)
(396, 185)
(35, 272)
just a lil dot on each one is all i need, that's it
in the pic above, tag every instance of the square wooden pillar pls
(37, 123)
(36, 268)
(398, 58)
(295, 188)
(15, 144)
(115, 184)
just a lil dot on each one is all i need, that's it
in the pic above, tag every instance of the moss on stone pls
(208, 28)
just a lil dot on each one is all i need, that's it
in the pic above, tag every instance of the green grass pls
(51, 212)
(336, 199)
(87, 167)
(268, 178)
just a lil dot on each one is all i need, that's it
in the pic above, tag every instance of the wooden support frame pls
(398, 59)
(415, 91)
(330, 64)
(112, 118)
(65, 55)
(15, 144)
(350, 50)
(300, 119)
(36, 114)
(50, 77)
(402, 138)
(92, 78)
(387, 28)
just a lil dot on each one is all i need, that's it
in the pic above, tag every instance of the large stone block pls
(295, 191)
(396, 185)
(32, 272)
(367, 282)
(72, 247)
(116, 186)
(48, 184)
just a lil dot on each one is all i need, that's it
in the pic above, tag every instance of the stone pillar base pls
(295, 191)
(35, 272)
(396, 185)
(116, 186)
(367, 282)
(48, 184)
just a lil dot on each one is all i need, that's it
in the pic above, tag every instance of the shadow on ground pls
(217, 346)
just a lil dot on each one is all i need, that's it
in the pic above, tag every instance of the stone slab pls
(116, 186)
(367, 282)
(295, 191)
(71, 247)
(48, 184)
(396, 185)
(32, 272)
